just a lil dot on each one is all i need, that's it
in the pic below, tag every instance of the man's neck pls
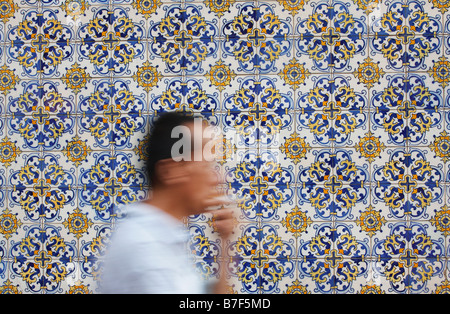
(166, 201)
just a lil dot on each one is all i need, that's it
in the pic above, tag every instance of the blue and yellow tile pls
(336, 124)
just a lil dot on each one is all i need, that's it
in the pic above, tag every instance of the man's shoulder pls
(146, 221)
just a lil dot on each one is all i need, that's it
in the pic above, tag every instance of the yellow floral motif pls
(296, 222)
(8, 79)
(441, 71)
(98, 245)
(422, 167)
(7, 9)
(220, 75)
(293, 6)
(223, 150)
(441, 146)
(391, 197)
(407, 36)
(142, 148)
(394, 272)
(202, 242)
(79, 288)
(243, 244)
(444, 288)
(442, 220)
(9, 288)
(442, 5)
(318, 274)
(371, 289)
(317, 243)
(244, 275)
(76, 78)
(274, 242)
(368, 73)
(77, 223)
(147, 76)
(294, 73)
(295, 148)
(297, 288)
(146, 7)
(115, 41)
(219, 6)
(370, 147)
(76, 151)
(8, 151)
(367, 5)
(230, 290)
(391, 242)
(8, 223)
(75, 8)
(370, 221)
(393, 169)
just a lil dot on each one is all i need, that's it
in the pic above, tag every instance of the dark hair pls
(160, 141)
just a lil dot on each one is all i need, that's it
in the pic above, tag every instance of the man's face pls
(203, 179)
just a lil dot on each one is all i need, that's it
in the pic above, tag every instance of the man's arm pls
(224, 224)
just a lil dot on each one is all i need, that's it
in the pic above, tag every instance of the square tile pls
(334, 116)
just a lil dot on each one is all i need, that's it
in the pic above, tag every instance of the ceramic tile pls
(47, 253)
(335, 119)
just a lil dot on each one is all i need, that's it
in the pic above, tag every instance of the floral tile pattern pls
(336, 122)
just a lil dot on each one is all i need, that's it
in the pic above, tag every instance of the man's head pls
(191, 179)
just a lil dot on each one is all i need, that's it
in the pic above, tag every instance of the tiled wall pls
(336, 122)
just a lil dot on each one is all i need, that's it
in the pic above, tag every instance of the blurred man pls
(148, 251)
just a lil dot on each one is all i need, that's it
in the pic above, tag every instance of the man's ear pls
(170, 172)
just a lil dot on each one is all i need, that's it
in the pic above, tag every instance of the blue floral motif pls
(407, 183)
(258, 111)
(183, 39)
(331, 36)
(408, 257)
(263, 184)
(332, 110)
(112, 114)
(406, 35)
(333, 184)
(407, 109)
(334, 258)
(43, 259)
(40, 42)
(257, 38)
(260, 259)
(103, 184)
(111, 41)
(42, 187)
(41, 115)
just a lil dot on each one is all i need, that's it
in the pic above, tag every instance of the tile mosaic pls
(338, 113)
(41, 254)
(412, 271)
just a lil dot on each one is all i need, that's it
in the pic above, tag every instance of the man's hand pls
(223, 222)
(222, 214)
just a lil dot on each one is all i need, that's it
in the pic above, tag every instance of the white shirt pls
(148, 254)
